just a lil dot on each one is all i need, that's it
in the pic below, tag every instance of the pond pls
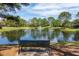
(55, 36)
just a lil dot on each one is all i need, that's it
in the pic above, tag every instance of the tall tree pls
(34, 22)
(50, 20)
(64, 16)
(56, 23)
(10, 7)
(77, 15)
(76, 23)
(5, 8)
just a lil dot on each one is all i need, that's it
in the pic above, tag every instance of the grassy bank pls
(18, 28)
(70, 30)
(65, 43)
(14, 28)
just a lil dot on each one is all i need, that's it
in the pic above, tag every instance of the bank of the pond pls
(65, 49)
(14, 28)
(53, 28)
(65, 29)
(19, 28)
(9, 50)
(65, 43)
(70, 30)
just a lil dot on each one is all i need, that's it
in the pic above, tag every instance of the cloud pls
(48, 9)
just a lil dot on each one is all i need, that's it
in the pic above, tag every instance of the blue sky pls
(47, 9)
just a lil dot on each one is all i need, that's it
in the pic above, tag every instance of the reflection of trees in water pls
(45, 33)
(34, 33)
(76, 36)
(66, 35)
(53, 34)
(13, 35)
(39, 33)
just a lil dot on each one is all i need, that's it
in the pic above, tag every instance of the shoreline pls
(58, 49)
(52, 28)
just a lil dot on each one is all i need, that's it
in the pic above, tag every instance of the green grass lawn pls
(14, 28)
(69, 29)
(65, 43)
(18, 28)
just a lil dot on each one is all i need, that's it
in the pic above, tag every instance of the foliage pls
(50, 20)
(13, 35)
(36, 22)
(10, 7)
(76, 23)
(63, 16)
(6, 8)
(56, 23)
(67, 24)
(13, 21)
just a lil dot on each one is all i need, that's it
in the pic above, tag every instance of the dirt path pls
(64, 50)
(9, 51)
(70, 50)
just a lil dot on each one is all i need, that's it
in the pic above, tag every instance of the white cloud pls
(46, 6)
(48, 9)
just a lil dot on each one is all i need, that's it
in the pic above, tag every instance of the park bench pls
(34, 43)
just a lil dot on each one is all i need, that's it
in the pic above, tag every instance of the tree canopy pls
(64, 16)
(10, 7)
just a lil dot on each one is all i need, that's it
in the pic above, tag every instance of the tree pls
(5, 8)
(10, 7)
(50, 20)
(64, 16)
(10, 23)
(56, 23)
(34, 22)
(67, 24)
(76, 23)
(14, 21)
(11, 17)
(44, 22)
(13, 35)
(22, 23)
(77, 15)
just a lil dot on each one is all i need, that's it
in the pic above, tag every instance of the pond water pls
(13, 37)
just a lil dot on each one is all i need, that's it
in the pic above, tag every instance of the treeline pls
(13, 21)
(63, 20)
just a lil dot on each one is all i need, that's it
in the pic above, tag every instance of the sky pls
(45, 10)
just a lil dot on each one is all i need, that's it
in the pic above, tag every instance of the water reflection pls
(76, 36)
(11, 37)
(36, 34)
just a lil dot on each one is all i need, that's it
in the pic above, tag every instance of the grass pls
(14, 28)
(70, 30)
(18, 28)
(66, 43)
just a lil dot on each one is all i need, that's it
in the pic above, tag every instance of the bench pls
(34, 43)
